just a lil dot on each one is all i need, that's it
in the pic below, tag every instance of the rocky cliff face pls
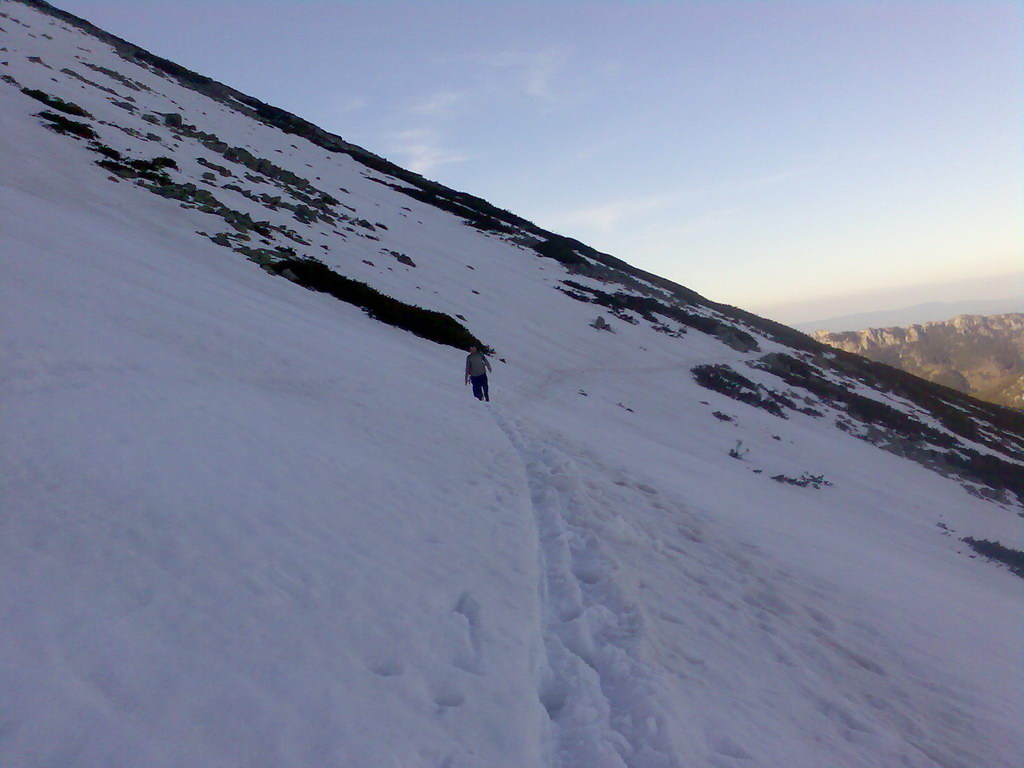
(977, 354)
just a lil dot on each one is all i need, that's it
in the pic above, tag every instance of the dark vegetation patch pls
(55, 102)
(993, 550)
(649, 308)
(426, 323)
(312, 204)
(958, 412)
(213, 166)
(989, 470)
(87, 81)
(564, 250)
(152, 174)
(798, 373)
(475, 212)
(900, 432)
(721, 378)
(580, 259)
(804, 481)
(133, 85)
(68, 127)
(153, 170)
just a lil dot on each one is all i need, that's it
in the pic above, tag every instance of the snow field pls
(243, 524)
(763, 640)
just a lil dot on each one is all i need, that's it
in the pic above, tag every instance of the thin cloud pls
(534, 71)
(423, 152)
(439, 104)
(607, 215)
(769, 179)
(346, 105)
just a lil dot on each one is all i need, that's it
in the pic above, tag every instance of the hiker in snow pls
(476, 371)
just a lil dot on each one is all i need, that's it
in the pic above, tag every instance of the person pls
(477, 367)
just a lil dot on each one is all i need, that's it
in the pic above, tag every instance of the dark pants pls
(480, 387)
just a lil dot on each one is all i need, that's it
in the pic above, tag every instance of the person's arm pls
(487, 364)
(466, 381)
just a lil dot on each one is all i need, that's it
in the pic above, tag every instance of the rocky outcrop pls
(978, 354)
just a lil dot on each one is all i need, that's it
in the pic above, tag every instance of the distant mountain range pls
(977, 354)
(918, 313)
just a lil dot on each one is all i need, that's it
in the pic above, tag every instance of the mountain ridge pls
(978, 354)
(914, 314)
(292, 124)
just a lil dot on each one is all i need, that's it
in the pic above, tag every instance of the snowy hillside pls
(244, 523)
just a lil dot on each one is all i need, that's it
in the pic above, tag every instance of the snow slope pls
(245, 524)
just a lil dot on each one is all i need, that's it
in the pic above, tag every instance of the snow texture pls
(243, 524)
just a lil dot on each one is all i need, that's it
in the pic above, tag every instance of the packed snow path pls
(600, 697)
(672, 639)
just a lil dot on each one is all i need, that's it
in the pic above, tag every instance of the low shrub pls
(426, 323)
(56, 103)
(108, 152)
(800, 374)
(61, 124)
(993, 550)
(805, 480)
(135, 169)
(156, 164)
(562, 249)
(989, 470)
(645, 306)
(721, 378)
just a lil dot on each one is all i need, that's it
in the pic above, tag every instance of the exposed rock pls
(978, 354)
(401, 258)
(127, 82)
(87, 81)
(213, 166)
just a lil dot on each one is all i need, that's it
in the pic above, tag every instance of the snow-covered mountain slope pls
(244, 523)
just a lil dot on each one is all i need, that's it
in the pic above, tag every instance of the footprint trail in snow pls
(602, 699)
(692, 645)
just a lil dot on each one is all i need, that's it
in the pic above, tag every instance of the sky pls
(798, 159)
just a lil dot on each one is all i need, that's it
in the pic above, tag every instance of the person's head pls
(472, 350)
